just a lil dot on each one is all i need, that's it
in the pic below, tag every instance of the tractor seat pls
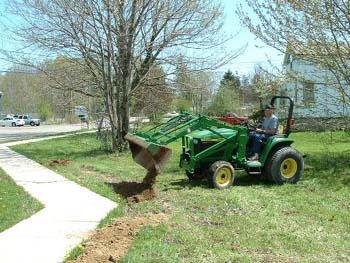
(280, 129)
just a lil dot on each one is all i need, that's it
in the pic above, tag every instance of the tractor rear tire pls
(266, 171)
(221, 175)
(286, 166)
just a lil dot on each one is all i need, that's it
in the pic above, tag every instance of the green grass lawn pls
(15, 203)
(252, 221)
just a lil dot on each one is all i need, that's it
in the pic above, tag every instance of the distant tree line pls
(52, 93)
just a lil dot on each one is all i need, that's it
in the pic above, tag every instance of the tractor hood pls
(206, 135)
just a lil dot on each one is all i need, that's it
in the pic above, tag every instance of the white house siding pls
(327, 100)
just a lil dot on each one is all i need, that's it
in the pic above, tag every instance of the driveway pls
(29, 132)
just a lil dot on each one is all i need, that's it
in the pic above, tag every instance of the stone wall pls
(322, 124)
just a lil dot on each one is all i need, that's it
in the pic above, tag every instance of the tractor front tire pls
(221, 175)
(286, 166)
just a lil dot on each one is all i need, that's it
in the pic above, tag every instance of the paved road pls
(29, 132)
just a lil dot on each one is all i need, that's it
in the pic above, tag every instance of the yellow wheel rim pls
(289, 168)
(224, 176)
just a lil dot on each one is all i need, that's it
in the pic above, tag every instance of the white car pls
(9, 121)
(28, 120)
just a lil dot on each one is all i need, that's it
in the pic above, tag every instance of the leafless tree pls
(194, 86)
(119, 41)
(154, 96)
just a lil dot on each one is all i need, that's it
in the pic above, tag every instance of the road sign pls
(82, 112)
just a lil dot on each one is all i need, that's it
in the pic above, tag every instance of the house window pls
(309, 93)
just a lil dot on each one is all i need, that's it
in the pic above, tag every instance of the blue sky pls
(255, 53)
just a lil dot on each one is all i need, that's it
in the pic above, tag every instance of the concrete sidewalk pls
(70, 212)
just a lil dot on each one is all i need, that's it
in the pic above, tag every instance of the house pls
(315, 91)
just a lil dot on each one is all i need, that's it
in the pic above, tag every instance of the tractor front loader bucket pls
(149, 155)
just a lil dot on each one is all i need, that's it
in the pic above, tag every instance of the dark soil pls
(111, 243)
(135, 192)
(59, 162)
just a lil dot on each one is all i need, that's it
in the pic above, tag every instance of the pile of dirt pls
(111, 243)
(135, 192)
(59, 162)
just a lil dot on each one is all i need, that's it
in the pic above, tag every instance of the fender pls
(273, 143)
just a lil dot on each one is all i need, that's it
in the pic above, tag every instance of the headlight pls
(195, 141)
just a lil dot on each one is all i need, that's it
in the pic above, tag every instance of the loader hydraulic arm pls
(178, 127)
(148, 148)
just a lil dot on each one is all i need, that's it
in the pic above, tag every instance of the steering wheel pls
(251, 125)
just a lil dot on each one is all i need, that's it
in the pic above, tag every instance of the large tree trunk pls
(125, 120)
(112, 106)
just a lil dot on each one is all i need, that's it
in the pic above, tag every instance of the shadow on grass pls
(186, 183)
(72, 155)
(250, 180)
(76, 147)
(83, 154)
(241, 180)
(329, 167)
(330, 160)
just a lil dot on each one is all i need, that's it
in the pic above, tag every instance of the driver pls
(269, 128)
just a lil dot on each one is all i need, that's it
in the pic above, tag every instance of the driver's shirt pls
(271, 123)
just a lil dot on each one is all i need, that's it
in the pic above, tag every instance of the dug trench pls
(59, 162)
(112, 242)
(135, 192)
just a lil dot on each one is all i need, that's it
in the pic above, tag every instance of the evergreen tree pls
(227, 97)
(230, 80)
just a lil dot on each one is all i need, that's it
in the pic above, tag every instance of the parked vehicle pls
(169, 115)
(10, 121)
(233, 119)
(28, 120)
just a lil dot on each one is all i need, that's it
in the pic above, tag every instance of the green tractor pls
(216, 149)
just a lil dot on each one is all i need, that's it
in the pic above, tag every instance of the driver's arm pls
(271, 131)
